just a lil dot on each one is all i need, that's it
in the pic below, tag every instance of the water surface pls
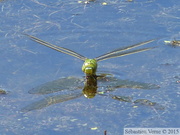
(91, 30)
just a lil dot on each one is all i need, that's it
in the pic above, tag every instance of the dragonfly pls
(75, 87)
(93, 82)
(89, 66)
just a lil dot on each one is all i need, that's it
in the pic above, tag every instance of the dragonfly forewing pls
(124, 51)
(57, 48)
(111, 83)
(69, 83)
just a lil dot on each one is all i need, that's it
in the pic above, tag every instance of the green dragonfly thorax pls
(89, 67)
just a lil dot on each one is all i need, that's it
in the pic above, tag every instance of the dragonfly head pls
(89, 67)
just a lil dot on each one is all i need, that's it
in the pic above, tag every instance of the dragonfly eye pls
(89, 67)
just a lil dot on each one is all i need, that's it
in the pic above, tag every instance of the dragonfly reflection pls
(90, 88)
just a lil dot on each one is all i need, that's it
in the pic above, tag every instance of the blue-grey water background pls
(91, 30)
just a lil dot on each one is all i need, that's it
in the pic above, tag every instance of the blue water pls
(91, 30)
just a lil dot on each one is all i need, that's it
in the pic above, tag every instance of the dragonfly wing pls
(121, 54)
(110, 83)
(134, 85)
(58, 85)
(118, 52)
(122, 98)
(145, 102)
(57, 48)
(50, 100)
